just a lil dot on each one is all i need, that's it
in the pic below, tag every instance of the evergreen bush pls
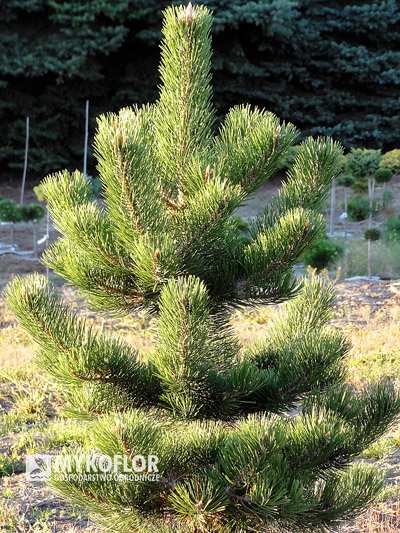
(372, 234)
(345, 180)
(391, 160)
(358, 208)
(323, 254)
(314, 63)
(383, 175)
(360, 185)
(31, 212)
(9, 211)
(247, 440)
(363, 163)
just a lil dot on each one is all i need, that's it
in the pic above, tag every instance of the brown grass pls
(383, 517)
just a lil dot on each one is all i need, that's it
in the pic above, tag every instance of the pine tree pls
(246, 439)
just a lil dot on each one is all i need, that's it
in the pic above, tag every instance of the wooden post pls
(369, 258)
(332, 209)
(26, 162)
(371, 187)
(86, 138)
(35, 249)
(345, 210)
(12, 235)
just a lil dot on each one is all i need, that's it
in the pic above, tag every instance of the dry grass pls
(376, 345)
(383, 517)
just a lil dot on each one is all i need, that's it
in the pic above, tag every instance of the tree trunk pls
(371, 187)
(345, 210)
(369, 258)
(35, 250)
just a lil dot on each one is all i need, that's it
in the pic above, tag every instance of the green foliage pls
(243, 227)
(10, 465)
(313, 63)
(391, 160)
(345, 180)
(383, 175)
(387, 198)
(6, 467)
(392, 228)
(323, 254)
(31, 212)
(360, 186)
(288, 160)
(38, 190)
(165, 240)
(358, 208)
(363, 163)
(95, 185)
(9, 211)
(372, 234)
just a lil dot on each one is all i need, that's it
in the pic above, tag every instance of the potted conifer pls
(32, 213)
(10, 213)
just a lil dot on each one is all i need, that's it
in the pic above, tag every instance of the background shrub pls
(383, 175)
(345, 180)
(360, 185)
(31, 212)
(288, 160)
(372, 234)
(391, 160)
(362, 162)
(323, 254)
(358, 208)
(9, 211)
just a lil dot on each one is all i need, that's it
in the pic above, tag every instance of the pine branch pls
(184, 111)
(250, 146)
(273, 253)
(309, 182)
(125, 147)
(73, 353)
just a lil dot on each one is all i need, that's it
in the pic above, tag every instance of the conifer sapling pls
(245, 439)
